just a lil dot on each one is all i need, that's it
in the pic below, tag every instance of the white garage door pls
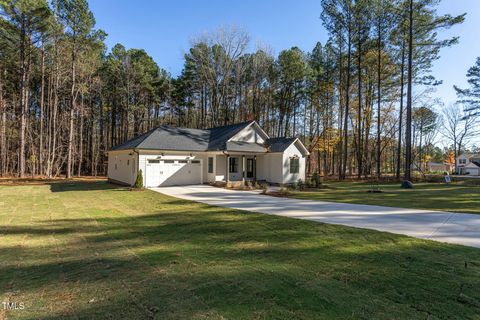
(162, 173)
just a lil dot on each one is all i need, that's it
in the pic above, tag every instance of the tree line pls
(65, 100)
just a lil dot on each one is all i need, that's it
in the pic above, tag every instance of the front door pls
(249, 168)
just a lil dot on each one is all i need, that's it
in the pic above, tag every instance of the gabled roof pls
(184, 139)
(220, 135)
(279, 144)
(240, 146)
(477, 163)
(213, 139)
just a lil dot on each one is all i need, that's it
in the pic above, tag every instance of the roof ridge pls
(145, 135)
(214, 138)
(231, 125)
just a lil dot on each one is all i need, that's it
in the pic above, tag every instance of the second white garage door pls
(163, 173)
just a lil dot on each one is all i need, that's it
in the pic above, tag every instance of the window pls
(195, 161)
(249, 168)
(168, 161)
(182, 161)
(294, 165)
(128, 162)
(463, 161)
(210, 164)
(116, 166)
(233, 165)
(153, 161)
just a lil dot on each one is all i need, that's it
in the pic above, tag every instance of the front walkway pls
(449, 227)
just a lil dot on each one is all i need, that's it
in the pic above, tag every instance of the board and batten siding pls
(249, 134)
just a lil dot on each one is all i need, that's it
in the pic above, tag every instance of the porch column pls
(243, 168)
(227, 169)
(255, 168)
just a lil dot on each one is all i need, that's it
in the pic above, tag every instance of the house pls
(438, 166)
(469, 164)
(170, 156)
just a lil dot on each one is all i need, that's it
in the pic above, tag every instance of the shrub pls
(316, 180)
(294, 186)
(265, 188)
(139, 180)
(301, 184)
(283, 191)
(308, 183)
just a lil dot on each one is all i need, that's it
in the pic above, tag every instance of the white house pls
(469, 164)
(171, 156)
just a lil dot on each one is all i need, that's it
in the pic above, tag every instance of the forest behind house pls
(361, 102)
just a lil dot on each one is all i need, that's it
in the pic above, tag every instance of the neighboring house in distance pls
(438, 166)
(469, 164)
(171, 156)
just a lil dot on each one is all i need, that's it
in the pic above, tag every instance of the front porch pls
(237, 168)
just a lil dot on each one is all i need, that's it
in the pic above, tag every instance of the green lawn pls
(93, 251)
(457, 197)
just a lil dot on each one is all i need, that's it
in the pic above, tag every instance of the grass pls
(93, 251)
(458, 197)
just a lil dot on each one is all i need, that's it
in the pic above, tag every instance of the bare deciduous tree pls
(458, 127)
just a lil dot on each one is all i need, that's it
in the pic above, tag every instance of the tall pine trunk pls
(3, 131)
(359, 115)
(400, 117)
(23, 102)
(72, 112)
(42, 107)
(408, 129)
(347, 105)
(379, 98)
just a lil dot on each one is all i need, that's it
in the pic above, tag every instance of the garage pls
(172, 172)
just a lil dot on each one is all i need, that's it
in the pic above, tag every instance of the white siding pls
(293, 151)
(472, 171)
(274, 167)
(122, 166)
(262, 167)
(210, 176)
(220, 167)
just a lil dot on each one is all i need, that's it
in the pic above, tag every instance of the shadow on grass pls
(64, 186)
(179, 259)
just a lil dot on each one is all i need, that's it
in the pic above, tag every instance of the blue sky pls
(165, 29)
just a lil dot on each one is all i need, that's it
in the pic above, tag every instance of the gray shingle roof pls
(184, 139)
(240, 146)
(220, 135)
(279, 144)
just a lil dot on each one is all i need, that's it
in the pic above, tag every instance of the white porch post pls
(255, 168)
(227, 169)
(243, 169)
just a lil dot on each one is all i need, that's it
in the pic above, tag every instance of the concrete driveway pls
(449, 227)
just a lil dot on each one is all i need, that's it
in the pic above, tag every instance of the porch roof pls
(239, 146)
